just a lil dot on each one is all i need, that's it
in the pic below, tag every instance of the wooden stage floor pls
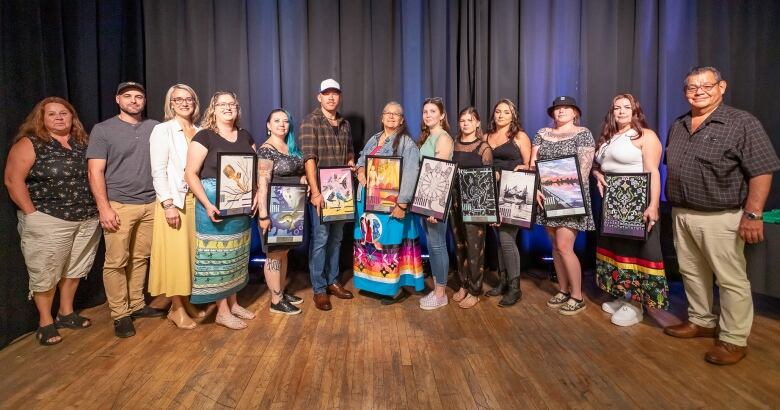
(364, 355)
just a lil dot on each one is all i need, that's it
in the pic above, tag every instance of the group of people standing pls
(719, 161)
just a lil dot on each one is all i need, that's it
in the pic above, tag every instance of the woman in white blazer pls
(173, 240)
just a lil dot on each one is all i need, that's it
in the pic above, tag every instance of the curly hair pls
(425, 132)
(610, 127)
(515, 125)
(34, 127)
(209, 121)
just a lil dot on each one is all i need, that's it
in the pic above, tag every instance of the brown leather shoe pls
(322, 301)
(724, 353)
(690, 330)
(339, 291)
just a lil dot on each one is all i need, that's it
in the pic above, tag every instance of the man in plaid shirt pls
(326, 140)
(719, 163)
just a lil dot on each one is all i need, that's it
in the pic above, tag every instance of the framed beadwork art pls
(625, 199)
(517, 198)
(561, 185)
(433, 191)
(338, 193)
(477, 187)
(383, 182)
(287, 212)
(236, 183)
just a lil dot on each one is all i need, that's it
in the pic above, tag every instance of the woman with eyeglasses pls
(566, 138)
(435, 141)
(387, 253)
(222, 244)
(511, 152)
(630, 270)
(173, 237)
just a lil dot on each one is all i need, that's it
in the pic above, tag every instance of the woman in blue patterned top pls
(46, 177)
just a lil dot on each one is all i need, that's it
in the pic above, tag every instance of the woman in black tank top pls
(511, 152)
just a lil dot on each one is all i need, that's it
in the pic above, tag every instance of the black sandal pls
(46, 333)
(72, 321)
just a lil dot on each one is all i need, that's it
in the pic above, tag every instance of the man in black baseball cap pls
(130, 85)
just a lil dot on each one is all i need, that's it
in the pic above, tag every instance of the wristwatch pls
(753, 216)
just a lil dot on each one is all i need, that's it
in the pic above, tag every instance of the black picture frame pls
(344, 177)
(555, 177)
(374, 200)
(515, 205)
(431, 189)
(232, 181)
(286, 213)
(626, 198)
(478, 195)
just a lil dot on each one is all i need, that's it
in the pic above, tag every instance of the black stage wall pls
(274, 53)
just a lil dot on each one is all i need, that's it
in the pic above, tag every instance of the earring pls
(268, 132)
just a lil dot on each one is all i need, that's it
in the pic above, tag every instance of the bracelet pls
(403, 208)
(169, 206)
(263, 218)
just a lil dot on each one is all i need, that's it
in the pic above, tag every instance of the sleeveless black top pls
(507, 155)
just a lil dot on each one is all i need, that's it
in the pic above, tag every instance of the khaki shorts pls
(54, 248)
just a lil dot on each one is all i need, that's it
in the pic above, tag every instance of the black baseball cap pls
(130, 84)
(563, 100)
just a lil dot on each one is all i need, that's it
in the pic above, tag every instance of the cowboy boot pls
(513, 293)
(499, 289)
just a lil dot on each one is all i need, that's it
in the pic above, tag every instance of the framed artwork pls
(625, 199)
(287, 211)
(517, 198)
(433, 191)
(561, 185)
(236, 183)
(383, 183)
(338, 193)
(478, 195)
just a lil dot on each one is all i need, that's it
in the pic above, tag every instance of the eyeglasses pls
(692, 89)
(180, 101)
(226, 105)
(392, 114)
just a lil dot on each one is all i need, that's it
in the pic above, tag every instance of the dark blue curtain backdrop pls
(274, 53)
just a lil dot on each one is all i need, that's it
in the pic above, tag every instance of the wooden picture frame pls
(478, 196)
(383, 183)
(337, 188)
(236, 183)
(287, 212)
(626, 198)
(561, 183)
(517, 198)
(433, 190)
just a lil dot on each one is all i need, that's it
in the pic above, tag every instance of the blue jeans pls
(437, 251)
(324, 251)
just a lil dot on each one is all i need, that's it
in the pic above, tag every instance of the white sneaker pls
(627, 315)
(612, 307)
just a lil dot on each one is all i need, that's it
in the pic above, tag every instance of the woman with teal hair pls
(279, 153)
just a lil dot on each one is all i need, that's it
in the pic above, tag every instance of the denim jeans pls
(324, 251)
(437, 251)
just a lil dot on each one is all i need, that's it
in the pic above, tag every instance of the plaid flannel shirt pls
(319, 142)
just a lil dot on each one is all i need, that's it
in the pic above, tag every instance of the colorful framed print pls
(517, 198)
(477, 188)
(561, 185)
(287, 212)
(383, 183)
(236, 183)
(625, 199)
(433, 191)
(338, 193)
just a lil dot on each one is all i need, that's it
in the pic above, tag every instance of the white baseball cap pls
(329, 84)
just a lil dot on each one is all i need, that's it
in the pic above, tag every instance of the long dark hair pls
(402, 130)
(473, 112)
(610, 127)
(292, 147)
(515, 125)
(425, 132)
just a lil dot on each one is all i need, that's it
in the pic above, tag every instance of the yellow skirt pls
(173, 252)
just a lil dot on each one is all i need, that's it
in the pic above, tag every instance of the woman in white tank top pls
(630, 270)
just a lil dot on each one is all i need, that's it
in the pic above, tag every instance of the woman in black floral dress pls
(46, 177)
(280, 154)
(564, 139)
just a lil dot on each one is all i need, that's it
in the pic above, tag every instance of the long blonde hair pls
(168, 110)
(34, 127)
(209, 121)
